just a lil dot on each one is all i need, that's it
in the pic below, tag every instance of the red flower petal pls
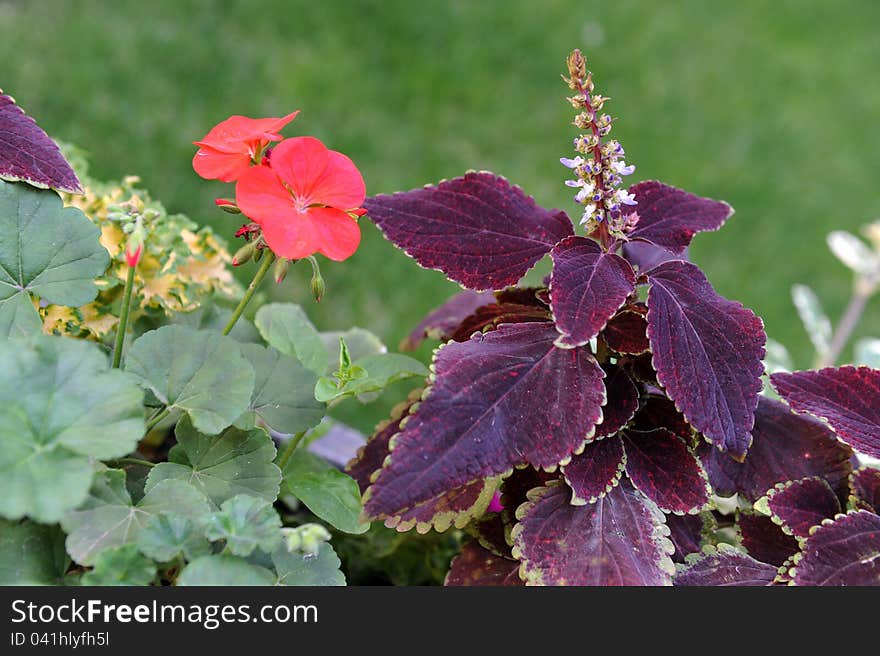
(213, 164)
(260, 195)
(318, 175)
(318, 230)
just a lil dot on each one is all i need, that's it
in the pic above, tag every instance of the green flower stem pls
(265, 265)
(155, 419)
(123, 318)
(132, 461)
(289, 448)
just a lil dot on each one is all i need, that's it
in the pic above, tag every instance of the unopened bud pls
(134, 244)
(258, 252)
(577, 65)
(317, 281)
(227, 205)
(244, 254)
(280, 269)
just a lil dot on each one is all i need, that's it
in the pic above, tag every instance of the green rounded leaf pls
(328, 493)
(245, 523)
(202, 373)
(31, 554)
(286, 327)
(123, 565)
(166, 536)
(236, 462)
(60, 405)
(299, 569)
(47, 250)
(224, 570)
(284, 391)
(381, 370)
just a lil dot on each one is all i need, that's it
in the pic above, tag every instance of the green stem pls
(265, 265)
(123, 318)
(132, 461)
(289, 448)
(155, 419)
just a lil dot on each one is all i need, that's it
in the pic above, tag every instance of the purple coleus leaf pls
(454, 507)
(764, 539)
(660, 412)
(848, 398)
(800, 505)
(490, 316)
(725, 567)
(845, 551)
(594, 472)
(644, 256)
(707, 352)
(622, 403)
(785, 447)
(499, 400)
(618, 540)
(627, 333)
(28, 154)
(477, 229)
(442, 322)
(688, 533)
(864, 485)
(669, 217)
(587, 287)
(660, 465)
(478, 566)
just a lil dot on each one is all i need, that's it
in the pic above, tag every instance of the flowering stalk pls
(599, 166)
(134, 248)
(265, 265)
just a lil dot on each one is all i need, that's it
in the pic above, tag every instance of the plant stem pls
(265, 265)
(132, 461)
(123, 318)
(155, 419)
(289, 448)
(846, 326)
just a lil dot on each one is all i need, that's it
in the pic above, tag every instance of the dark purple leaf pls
(669, 217)
(660, 465)
(587, 288)
(627, 333)
(478, 229)
(765, 540)
(622, 403)
(477, 566)
(516, 487)
(688, 533)
(442, 322)
(800, 505)
(646, 256)
(523, 296)
(726, 567)
(490, 531)
(454, 507)
(660, 412)
(864, 487)
(594, 472)
(618, 540)
(843, 552)
(707, 354)
(491, 316)
(848, 398)
(500, 400)
(28, 154)
(785, 447)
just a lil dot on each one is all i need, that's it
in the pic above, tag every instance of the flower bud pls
(280, 269)
(227, 205)
(134, 245)
(317, 281)
(244, 254)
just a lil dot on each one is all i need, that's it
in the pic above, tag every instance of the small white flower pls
(622, 168)
(626, 198)
(589, 210)
(583, 194)
(571, 163)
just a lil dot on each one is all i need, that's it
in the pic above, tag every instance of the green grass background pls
(772, 106)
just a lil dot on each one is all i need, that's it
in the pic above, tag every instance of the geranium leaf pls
(488, 317)
(166, 536)
(477, 229)
(618, 540)
(454, 507)
(800, 505)
(109, 519)
(660, 465)
(477, 566)
(669, 217)
(245, 523)
(593, 473)
(330, 494)
(236, 462)
(707, 352)
(725, 566)
(31, 554)
(286, 327)
(785, 447)
(28, 154)
(845, 551)
(848, 398)
(627, 333)
(864, 485)
(224, 570)
(360, 343)
(764, 539)
(200, 372)
(587, 288)
(688, 533)
(622, 403)
(442, 322)
(381, 370)
(298, 569)
(60, 406)
(46, 250)
(284, 391)
(123, 565)
(502, 399)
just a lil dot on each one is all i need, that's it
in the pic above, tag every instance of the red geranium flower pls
(305, 200)
(229, 149)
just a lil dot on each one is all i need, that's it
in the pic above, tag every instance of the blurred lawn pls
(772, 106)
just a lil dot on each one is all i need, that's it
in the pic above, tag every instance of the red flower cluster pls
(306, 198)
